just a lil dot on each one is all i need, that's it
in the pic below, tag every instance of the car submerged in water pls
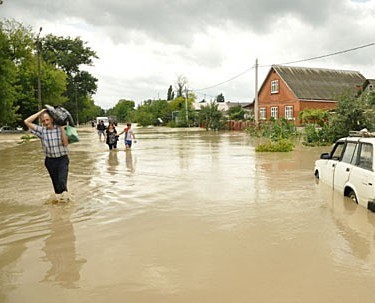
(349, 168)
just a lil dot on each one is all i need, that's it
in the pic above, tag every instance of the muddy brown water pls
(186, 216)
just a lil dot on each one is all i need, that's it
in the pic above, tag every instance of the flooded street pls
(186, 216)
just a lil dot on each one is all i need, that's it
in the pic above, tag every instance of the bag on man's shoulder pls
(60, 115)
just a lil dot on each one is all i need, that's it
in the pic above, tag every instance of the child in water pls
(129, 136)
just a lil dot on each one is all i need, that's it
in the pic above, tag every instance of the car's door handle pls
(370, 183)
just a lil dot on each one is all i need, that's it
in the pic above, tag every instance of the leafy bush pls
(283, 145)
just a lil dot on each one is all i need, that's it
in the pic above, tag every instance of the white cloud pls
(144, 45)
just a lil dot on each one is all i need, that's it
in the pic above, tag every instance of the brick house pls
(288, 90)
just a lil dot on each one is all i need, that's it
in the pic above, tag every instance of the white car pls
(349, 168)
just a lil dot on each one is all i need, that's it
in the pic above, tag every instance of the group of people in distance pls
(111, 136)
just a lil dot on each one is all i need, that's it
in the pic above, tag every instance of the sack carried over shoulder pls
(72, 134)
(60, 115)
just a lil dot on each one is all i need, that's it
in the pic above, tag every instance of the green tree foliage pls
(170, 95)
(314, 116)
(211, 117)
(179, 105)
(70, 54)
(236, 113)
(315, 121)
(220, 98)
(349, 115)
(144, 116)
(8, 79)
(279, 134)
(149, 112)
(352, 113)
(123, 110)
(67, 53)
(89, 111)
(283, 145)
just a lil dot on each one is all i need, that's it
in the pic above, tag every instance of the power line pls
(324, 56)
(226, 81)
(286, 63)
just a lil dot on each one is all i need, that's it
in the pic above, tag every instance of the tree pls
(236, 113)
(170, 95)
(314, 116)
(8, 78)
(210, 116)
(69, 55)
(123, 110)
(349, 115)
(220, 98)
(181, 85)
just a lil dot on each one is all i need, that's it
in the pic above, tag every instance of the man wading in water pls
(55, 146)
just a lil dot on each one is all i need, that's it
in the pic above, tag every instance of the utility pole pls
(186, 106)
(75, 93)
(38, 58)
(256, 110)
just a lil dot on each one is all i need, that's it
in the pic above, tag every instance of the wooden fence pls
(239, 125)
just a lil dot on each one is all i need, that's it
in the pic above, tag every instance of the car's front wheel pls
(352, 196)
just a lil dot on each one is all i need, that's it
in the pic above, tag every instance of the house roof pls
(319, 83)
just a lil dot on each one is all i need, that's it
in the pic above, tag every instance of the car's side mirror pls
(325, 156)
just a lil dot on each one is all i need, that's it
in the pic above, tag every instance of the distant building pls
(223, 106)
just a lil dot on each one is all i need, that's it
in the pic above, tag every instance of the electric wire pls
(286, 63)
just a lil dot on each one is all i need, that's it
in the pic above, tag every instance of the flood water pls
(186, 216)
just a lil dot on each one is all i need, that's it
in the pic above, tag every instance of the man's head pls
(46, 119)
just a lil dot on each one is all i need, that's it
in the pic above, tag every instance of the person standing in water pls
(55, 147)
(101, 130)
(129, 136)
(111, 136)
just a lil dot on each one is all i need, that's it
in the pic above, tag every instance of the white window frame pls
(262, 113)
(274, 86)
(289, 112)
(274, 112)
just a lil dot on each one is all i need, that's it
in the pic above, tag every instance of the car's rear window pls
(365, 157)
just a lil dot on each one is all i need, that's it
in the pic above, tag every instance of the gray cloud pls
(176, 21)
(207, 41)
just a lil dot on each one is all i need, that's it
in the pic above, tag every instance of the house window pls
(274, 112)
(370, 87)
(262, 113)
(289, 112)
(274, 86)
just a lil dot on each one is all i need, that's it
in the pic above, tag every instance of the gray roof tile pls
(319, 83)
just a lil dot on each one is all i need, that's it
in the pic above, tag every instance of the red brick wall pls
(285, 97)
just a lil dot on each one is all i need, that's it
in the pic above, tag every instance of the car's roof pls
(356, 139)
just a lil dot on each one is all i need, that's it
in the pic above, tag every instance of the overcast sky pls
(144, 45)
